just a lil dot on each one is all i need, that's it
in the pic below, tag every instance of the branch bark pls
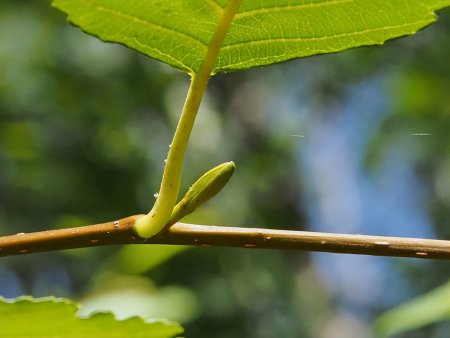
(122, 232)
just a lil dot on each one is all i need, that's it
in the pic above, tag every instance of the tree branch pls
(122, 232)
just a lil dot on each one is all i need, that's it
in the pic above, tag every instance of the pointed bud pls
(205, 188)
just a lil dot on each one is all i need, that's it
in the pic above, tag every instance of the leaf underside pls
(263, 32)
(52, 317)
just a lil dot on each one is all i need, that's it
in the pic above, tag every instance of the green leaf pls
(52, 317)
(429, 308)
(263, 32)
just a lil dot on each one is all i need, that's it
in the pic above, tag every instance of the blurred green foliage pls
(431, 307)
(84, 129)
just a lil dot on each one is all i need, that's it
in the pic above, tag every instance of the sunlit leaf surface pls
(51, 317)
(263, 32)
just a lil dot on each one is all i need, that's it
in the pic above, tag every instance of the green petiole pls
(157, 219)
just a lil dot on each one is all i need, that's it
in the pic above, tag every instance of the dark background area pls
(355, 142)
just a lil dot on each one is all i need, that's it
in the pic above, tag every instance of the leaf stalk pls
(156, 220)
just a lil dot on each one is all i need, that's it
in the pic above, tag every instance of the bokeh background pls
(355, 142)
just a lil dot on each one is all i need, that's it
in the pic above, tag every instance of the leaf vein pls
(145, 22)
(323, 38)
(167, 55)
(215, 6)
(270, 10)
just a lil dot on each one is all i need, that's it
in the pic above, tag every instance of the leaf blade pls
(55, 317)
(145, 27)
(263, 32)
(320, 27)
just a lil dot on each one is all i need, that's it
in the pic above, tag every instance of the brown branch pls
(122, 232)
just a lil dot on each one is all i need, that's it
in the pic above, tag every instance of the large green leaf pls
(263, 32)
(429, 308)
(51, 317)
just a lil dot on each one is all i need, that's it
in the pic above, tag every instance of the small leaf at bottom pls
(52, 317)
